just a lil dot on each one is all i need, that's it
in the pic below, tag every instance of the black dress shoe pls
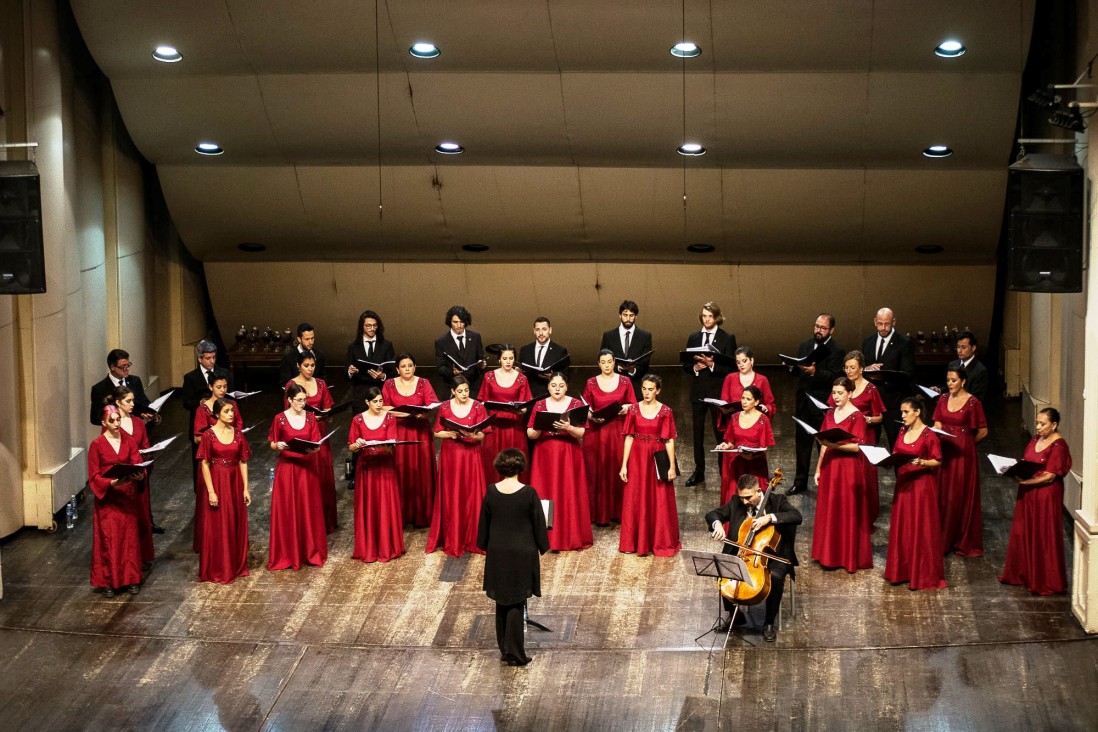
(695, 478)
(797, 488)
(157, 528)
(770, 633)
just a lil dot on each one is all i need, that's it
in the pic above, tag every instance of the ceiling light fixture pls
(691, 150)
(423, 49)
(251, 247)
(475, 248)
(686, 49)
(938, 151)
(167, 54)
(929, 249)
(950, 49)
(701, 248)
(449, 148)
(208, 148)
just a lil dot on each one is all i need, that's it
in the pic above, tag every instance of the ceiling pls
(814, 115)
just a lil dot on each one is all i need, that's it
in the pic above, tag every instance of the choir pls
(595, 460)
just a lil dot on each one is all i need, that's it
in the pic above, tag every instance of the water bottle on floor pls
(70, 513)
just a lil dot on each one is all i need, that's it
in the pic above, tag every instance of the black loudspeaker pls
(1046, 224)
(22, 267)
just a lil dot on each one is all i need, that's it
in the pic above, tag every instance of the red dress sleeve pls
(524, 393)
(97, 465)
(939, 410)
(626, 388)
(357, 425)
(238, 418)
(979, 420)
(538, 407)
(205, 449)
(629, 424)
(389, 425)
(313, 427)
(726, 386)
(876, 404)
(245, 451)
(443, 411)
(932, 446)
(667, 423)
(201, 421)
(275, 433)
(387, 391)
(768, 395)
(766, 439)
(424, 388)
(1059, 459)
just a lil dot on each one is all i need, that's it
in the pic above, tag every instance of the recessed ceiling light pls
(950, 49)
(423, 49)
(938, 151)
(686, 49)
(167, 54)
(929, 249)
(449, 148)
(701, 248)
(475, 248)
(251, 246)
(691, 149)
(208, 148)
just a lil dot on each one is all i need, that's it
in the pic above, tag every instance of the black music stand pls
(719, 566)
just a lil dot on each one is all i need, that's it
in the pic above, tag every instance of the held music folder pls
(577, 416)
(813, 356)
(413, 410)
(725, 407)
(559, 365)
(462, 367)
(633, 361)
(299, 445)
(835, 434)
(125, 470)
(513, 407)
(687, 356)
(608, 412)
(1014, 468)
(158, 446)
(238, 395)
(329, 412)
(154, 406)
(881, 458)
(467, 428)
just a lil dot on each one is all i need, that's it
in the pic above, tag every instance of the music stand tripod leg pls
(531, 621)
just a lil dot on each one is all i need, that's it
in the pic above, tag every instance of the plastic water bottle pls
(75, 512)
(271, 476)
(525, 617)
(70, 511)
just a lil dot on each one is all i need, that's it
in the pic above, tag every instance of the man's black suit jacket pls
(977, 382)
(788, 519)
(828, 368)
(196, 390)
(708, 383)
(102, 389)
(640, 342)
(528, 354)
(288, 368)
(899, 355)
(445, 347)
(361, 381)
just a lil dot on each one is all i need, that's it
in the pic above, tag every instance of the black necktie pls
(880, 347)
(461, 343)
(628, 334)
(369, 349)
(707, 337)
(541, 356)
(752, 512)
(122, 382)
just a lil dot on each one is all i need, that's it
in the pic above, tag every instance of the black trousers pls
(509, 632)
(891, 422)
(773, 601)
(805, 441)
(698, 412)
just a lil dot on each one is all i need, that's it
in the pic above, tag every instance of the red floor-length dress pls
(203, 420)
(959, 509)
(840, 537)
(914, 535)
(736, 464)
(461, 485)
(323, 457)
(869, 402)
(144, 521)
(649, 514)
(1035, 550)
(298, 535)
(558, 475)
(732, 392)
(509, 429)
(223, 555)
(116, 540)
(415, 464)
(379, 528)
(602, 451)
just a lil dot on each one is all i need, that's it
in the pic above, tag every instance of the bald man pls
(889, 350)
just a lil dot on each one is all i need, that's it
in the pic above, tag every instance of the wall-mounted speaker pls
(1045, 199)
(22, 266)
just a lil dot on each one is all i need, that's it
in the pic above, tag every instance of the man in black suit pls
(463, 346)
(706, 379)
(629, 341)
(196, 388)
(118, 374)
(542, 353)
(976, 382)
(306, 341)
(890, 350)
(369, 346)
(815, 379)
(776, 510)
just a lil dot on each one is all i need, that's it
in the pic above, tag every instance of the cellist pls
(777, 510)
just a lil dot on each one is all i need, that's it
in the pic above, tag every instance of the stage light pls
(938, 151)
(208, 148)
(950, 49)
(691, 150)
(167, 54)
(1071, 119)
(423, 49)
(449, 148)
(686, 49)
(1044, 99)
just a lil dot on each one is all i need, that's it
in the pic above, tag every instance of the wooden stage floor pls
(410, 644)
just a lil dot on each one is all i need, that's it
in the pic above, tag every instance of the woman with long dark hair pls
(224, 454)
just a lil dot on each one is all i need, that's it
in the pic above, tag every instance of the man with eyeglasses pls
(370, 347)
(815, 379)
(118, 374)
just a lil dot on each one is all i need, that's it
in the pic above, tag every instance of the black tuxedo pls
(788, 518)
(640, 342)
(898, 355)
(195, 391)
(361, 381)
(528, 354)
(288, 368)
(446, 348)
(703, 384)
(977, 382)
(102, 389)
(828, 368)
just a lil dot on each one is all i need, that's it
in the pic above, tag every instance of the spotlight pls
(1072, 119)
(1043, 99)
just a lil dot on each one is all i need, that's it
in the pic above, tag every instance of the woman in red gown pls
(1035, 550)
(840, 537)
(415, 464)
(298, 534)
(558, 473)
(504, 384)
(914, 535)
(319, 401)
(122, 398)
(224, 453)
(747, 428)
(204, 419)
(959, 508)
(116, 541)
(649, 514)
(745, 376)
(866, 398)
(602, 443)
(379, 529)
(460, 481)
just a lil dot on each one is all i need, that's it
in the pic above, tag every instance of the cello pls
(755, 549)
